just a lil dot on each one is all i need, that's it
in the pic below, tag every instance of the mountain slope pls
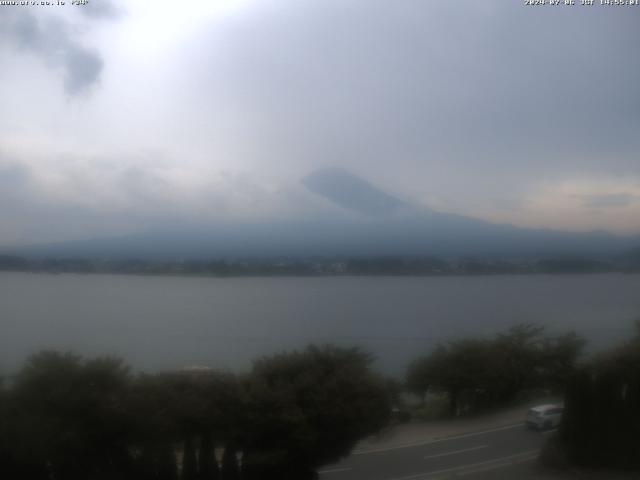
(351, 192)
(378, 224)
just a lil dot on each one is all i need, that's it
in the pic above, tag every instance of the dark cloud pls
(54, 41)
(83, 69)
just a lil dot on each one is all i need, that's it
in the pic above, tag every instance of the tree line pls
(601, 420)
(64, 417)
(300, 266)
(477, 373)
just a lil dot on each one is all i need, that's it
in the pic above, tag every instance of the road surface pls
(472, 455)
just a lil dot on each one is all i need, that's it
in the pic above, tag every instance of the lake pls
(169, 322)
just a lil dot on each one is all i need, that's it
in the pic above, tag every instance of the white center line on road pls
(334, 470)
(495, 466)
(437, 440)
(475, 467)
(445, 454)
(487, 468)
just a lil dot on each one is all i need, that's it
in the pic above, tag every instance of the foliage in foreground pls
(481, 373)
(67, 418)
(601, 424)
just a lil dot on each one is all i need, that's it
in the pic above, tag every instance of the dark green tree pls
(70, 418)
(189, 460)
(207, 467)
(422, 373)
(309, 408)
(230, 469)
(465, 370)
(166, 462)
(476, 373)
(520, 357)
(601, 423)
(559, 357)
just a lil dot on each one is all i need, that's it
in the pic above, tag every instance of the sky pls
(120, 117)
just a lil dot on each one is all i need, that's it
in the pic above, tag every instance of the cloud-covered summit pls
(350, 192)
(216, 108)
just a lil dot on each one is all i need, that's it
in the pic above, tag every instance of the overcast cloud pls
(53, 42)
(128, 116)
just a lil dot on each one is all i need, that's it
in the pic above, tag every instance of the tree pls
(601, 423)
(153, 427)
(422, 374)
(309, 408)
(230, 468)
(6, 457)
(520, 350)
(69, 416)
(183, 409)
(189, 460)
(478, 373)
(207, 467)
(464, 369)
(559, 357)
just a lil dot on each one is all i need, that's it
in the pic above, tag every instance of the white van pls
(544, 417)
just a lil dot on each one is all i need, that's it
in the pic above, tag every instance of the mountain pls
(351, 192)
(376, 224)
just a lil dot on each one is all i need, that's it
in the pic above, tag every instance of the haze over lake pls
(170, 322)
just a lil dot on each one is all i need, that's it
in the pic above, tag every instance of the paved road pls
(470, 455)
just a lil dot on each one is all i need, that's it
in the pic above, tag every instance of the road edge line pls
(435, 440)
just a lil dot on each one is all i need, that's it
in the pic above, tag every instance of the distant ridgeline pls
(387, 265)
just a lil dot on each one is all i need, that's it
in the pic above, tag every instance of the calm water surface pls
(169, 322)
